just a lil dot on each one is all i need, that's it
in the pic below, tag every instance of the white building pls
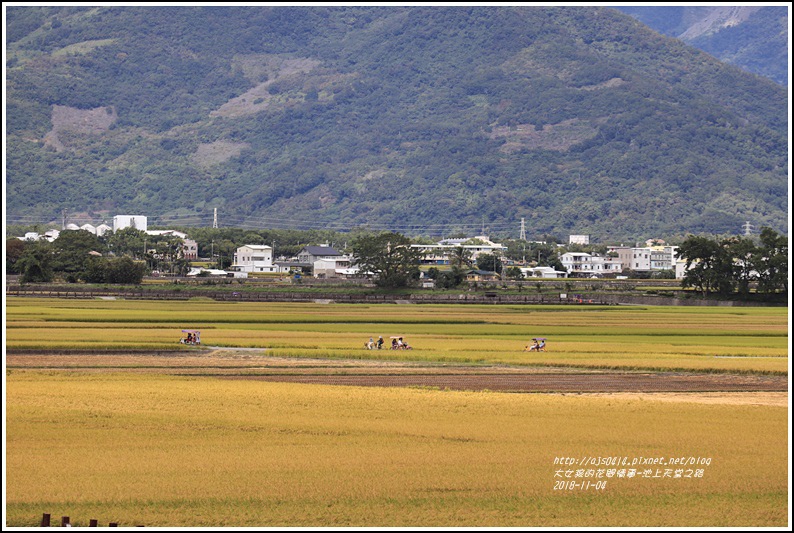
(334, 267)
(680, 268)
(542, 272)
(129, 221)
(648, 259)
(581, 264)
(578, 239)
(102, 229)
(254, 258)
(49, 235)
(440, 253)
(167, 233)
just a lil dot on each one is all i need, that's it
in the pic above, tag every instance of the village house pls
(482, 275)
(309, 254)
(441, 253)
(254, 258)
(335, 267)
(647, 259)
(581, 264)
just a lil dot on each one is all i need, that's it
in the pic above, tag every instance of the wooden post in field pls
(65, 521)
(113, 524)
(45, 520)
(93, 523)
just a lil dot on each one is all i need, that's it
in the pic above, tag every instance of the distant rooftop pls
(321, 250)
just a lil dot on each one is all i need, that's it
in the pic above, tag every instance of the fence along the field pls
(45, 522)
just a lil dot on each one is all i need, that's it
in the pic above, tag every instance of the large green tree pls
(14, 250)
(708, 265)
(735, 263)
(389, 256)
(72, 249)
(128, 241)
(125, 270)
(742, 250)
(489, 262)
(771, 262)
(35, 263)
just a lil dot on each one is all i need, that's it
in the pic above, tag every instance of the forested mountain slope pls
(417, 119)
(752, 37)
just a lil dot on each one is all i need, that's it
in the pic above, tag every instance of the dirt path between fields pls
(544, 382)
(254, 364)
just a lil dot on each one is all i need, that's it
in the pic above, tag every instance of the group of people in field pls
(190, 339)
(397, 343)
(538, 345)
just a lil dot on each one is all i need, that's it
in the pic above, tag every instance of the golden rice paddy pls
(163, 450)
(656, 338)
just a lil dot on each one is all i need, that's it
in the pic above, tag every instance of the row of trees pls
(77, 255)
(735, 264)
(38, 263)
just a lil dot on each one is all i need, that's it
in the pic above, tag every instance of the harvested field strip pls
(663, 382)
(406, 374)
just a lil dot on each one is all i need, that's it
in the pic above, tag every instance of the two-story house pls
(254, 258)
(648, 259)
(581, 264)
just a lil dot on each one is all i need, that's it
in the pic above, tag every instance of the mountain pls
(754, 37)
(424, 120)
